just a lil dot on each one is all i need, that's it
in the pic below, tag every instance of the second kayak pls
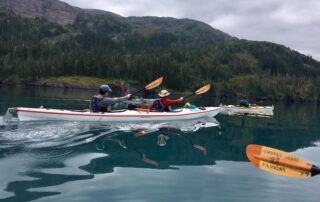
(252, 109)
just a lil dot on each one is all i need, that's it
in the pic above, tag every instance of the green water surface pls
(78, 161)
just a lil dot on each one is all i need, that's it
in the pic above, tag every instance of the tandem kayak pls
(253, 109)
(43, 114)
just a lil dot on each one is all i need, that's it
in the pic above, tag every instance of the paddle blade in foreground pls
(154, 84)
(279, 162)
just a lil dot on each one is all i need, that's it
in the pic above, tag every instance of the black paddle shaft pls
(138, 91)
(189, 95)
(315, 170)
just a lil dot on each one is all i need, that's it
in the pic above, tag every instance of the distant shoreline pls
(78, 86)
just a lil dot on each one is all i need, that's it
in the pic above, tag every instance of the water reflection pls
(48, 146)
(92, 149)
(56, 160)
(21, 189)
(81, 151)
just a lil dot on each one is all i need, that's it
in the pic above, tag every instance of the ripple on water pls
(53, 135)
(45, 134)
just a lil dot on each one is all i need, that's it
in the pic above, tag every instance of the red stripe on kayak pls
(110, 115)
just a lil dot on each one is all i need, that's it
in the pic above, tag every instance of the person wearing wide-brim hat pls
(163, 93)
(163, 103)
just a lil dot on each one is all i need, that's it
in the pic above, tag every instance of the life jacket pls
(244, 103)
(158, 105)
(95, 103)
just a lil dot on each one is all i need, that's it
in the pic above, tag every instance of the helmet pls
(105, 89)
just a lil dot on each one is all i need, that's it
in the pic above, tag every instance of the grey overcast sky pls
(293, 23)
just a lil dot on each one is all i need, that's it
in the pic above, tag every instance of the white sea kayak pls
(254, 109)
(42, 114)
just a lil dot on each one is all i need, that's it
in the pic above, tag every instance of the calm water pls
(73, 161)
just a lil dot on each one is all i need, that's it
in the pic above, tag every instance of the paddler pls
(102, 103)
(163, 104)
(245, 103)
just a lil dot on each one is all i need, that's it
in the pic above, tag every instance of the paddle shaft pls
(200, 91)
(138, 91)
(189, 96)
(283, 162)
(315, 170)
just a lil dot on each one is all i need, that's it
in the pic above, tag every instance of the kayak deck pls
(38, 114)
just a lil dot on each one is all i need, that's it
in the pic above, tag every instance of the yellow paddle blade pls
(203, 89)
(154, 83)
(278, 162)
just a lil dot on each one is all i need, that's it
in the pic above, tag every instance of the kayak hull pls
(41, 114)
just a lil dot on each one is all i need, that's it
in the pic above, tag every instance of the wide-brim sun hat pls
(164, 93)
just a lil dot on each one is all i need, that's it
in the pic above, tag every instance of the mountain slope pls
(112, 24)
(52, 10)
(187, 54)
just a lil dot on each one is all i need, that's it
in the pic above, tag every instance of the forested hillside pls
(35, 48)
